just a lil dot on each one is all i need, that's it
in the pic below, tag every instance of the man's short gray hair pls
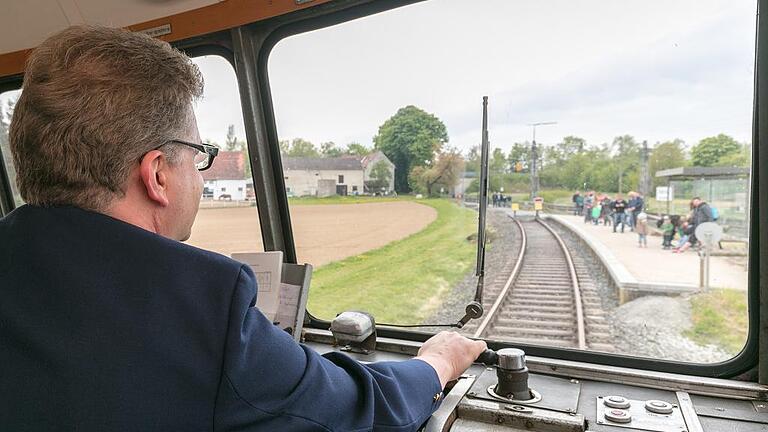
(94, 101)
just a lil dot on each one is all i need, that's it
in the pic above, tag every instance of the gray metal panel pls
(482, 415)
(728, 409)
(589, 371)
(710, 424)
(644, 420)
(557, 394)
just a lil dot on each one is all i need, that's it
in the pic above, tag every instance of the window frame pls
(271, 32)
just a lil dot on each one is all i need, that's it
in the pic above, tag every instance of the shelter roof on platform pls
(703, 172)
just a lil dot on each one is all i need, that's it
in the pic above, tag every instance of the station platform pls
(642, 271)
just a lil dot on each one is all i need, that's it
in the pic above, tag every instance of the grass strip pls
(720, 318)
(404, 281)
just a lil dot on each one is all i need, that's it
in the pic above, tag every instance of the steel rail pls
(507, 293)
(500, 299)
(580, 332)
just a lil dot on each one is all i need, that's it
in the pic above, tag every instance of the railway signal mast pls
(535, 160)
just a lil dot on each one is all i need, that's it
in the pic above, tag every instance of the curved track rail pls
(540, 302)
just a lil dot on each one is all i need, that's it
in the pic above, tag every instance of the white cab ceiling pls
(26, 23)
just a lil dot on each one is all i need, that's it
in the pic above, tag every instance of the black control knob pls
(512, 374)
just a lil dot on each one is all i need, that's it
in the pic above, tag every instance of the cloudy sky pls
(655, 69)
(658, 70)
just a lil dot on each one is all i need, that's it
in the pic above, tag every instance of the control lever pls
(488, 358)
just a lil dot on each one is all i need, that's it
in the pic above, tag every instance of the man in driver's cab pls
(107, 321)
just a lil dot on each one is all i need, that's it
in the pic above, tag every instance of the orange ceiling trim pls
(208, 19)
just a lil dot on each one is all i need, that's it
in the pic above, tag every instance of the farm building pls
(346, 175)
(226, 179)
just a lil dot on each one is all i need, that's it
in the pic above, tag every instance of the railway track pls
(539, 300)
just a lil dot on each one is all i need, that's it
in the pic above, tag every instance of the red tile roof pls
(228, 165)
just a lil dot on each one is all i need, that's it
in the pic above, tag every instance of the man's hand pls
(450, 354)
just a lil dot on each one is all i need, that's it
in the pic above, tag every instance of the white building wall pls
(304, 183)
(233, 188)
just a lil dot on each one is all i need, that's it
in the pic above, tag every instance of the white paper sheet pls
(267, 267)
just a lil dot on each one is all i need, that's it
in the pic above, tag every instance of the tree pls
(329, 150)
(709, 151)
(302, 148)
(357, 149)
(742, 158)
(563, 151)
(285, 146)
(627, 160)
(669, 154)
(410, 138)
(472, 159)
(498, 163)
(379, 177)
(231, 143)
(444, 172)
(519, 155)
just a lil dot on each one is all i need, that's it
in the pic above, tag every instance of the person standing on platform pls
(607, 215)
(578, 203)
(619, 208)
(634, 208)
(630, 211)
(589, 201)
(641, 228)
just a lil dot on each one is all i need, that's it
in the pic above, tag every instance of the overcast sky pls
(655, 69)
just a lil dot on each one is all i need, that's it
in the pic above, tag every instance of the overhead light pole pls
(535, 160)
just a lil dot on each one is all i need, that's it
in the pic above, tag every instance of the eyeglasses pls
(204, 157)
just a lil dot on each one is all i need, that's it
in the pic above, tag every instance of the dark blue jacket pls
(636, 204)
(107, 327)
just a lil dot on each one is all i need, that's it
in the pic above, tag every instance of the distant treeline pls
(574, 164)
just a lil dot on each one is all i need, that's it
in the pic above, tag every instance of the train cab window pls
(7, 102)
(227, 220)
(619, 172)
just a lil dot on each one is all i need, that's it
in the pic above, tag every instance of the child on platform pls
(596, 210)
(668, 231)
(641, 228)
(684, 231)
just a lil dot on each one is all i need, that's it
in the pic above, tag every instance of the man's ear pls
(153, 172)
